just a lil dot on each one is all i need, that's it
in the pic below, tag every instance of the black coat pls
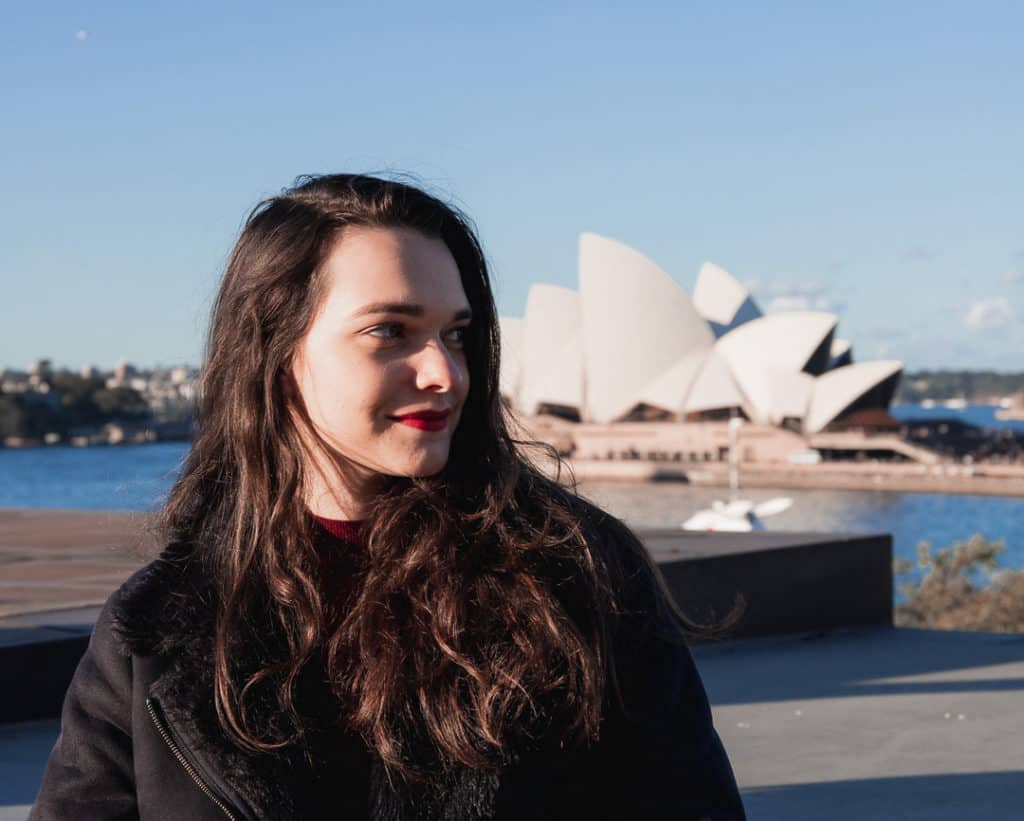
(140, 739)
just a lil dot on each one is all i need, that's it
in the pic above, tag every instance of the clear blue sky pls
(866, 159)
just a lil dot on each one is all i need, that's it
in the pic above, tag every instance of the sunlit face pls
(382, 370)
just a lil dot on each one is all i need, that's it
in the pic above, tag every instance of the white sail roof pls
(840, 347)
(552, 354)
(714, 387)
(669, 389)
(511, 330)
(841, 354)
(836, 390)
(720, 298)
(637, 324)
(773, 394)
(784, 341)
(791, 393)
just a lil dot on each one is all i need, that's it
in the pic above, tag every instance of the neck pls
(337, 489)
(330, 503)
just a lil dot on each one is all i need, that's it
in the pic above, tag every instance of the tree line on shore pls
(76, 402)
(72, 403)
(974, 386)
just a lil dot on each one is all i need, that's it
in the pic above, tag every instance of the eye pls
(457, 336)
(388, 332)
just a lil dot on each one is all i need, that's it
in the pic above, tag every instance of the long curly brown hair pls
(482, 616)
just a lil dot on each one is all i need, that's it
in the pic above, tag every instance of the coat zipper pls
(176, 751)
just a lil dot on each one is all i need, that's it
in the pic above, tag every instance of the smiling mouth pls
(425, 420)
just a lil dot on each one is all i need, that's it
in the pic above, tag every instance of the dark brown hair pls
(483, 611)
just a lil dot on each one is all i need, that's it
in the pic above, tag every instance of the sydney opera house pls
(630, 344)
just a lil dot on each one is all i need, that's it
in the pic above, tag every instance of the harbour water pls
(982, 416)
(136, 477)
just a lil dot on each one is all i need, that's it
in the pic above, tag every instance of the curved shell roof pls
(773, 394)
(841, 354)
(512, 330)
(837, 390)
(552, 355)
(720, 298)
(637, 324)
(791, 394)
(714, 388)
(840, 347)
(669, 390)
(783, 341)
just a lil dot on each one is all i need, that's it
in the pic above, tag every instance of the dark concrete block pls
(789, 582)
(36, 674)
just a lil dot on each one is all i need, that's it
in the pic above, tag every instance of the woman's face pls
(381, 369)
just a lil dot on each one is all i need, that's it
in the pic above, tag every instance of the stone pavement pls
(855, 724)
(848, 726)
(61, 559)
(883, 723)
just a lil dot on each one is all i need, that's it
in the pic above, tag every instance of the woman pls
(372, 605)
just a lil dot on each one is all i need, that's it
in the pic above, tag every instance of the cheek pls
(339, 392)
(372, 392)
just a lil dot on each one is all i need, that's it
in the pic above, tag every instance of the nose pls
(439, 369)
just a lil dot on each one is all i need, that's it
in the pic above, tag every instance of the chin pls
(422, 468)
(429, 467)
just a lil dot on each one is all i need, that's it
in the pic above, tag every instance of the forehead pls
(377, 265)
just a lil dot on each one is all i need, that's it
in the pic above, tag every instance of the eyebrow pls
(406, 309)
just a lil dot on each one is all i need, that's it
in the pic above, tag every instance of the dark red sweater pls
(339, 785)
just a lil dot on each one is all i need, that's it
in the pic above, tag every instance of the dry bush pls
(950, 597)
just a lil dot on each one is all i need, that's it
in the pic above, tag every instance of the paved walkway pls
(886, 724)
(901, 724)
(858, 725)
(60, 559)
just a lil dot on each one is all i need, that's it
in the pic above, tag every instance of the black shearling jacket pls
(140, 739)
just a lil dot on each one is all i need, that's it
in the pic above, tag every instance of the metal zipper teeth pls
(166, 736)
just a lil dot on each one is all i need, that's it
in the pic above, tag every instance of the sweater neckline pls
(347, 530)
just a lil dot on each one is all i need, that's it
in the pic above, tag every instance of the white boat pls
(736, 515)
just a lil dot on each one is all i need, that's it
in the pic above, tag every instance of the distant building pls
(630, 344)
(41, 368)
(124, 371)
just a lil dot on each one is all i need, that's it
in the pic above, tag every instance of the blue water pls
(983, 416)
(127, 477)
(137, 477)
(911, 518)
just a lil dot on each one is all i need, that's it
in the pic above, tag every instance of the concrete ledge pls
(38, 654)
(44, 670)
(916, 725)
(789, 582)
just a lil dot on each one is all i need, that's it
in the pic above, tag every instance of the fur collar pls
(166, 612)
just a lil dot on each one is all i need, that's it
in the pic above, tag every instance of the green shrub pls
(963, 588)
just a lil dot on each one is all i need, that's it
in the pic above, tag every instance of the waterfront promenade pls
(984, 480)
(847, 724)
(62, 559)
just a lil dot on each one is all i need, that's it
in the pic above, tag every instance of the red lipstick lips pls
(425, 420)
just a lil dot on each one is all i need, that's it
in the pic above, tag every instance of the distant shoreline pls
(896, 478)
(38, 444)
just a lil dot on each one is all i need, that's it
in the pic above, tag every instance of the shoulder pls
(601, 529)
(642, 598)
(160, 605)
